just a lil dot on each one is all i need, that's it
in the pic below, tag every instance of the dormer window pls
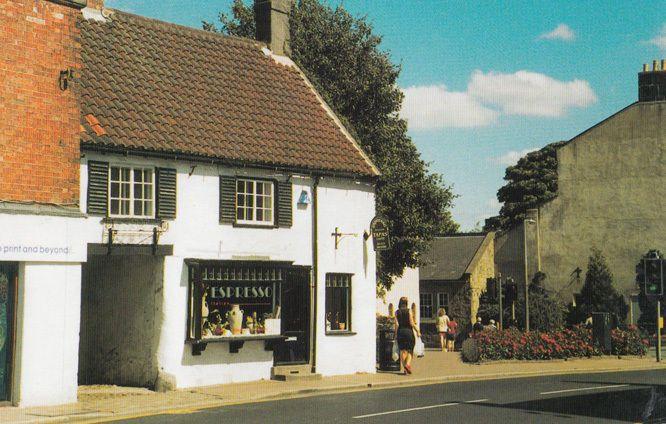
(255, 202)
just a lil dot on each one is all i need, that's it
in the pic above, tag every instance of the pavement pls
(110, 403)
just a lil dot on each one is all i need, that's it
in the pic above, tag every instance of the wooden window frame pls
(422, 305)
(253, 222)
(132, 198)
(348, 323)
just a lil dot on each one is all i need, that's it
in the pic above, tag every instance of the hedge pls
(573, 342)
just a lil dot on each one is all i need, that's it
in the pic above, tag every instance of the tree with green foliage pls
(341, 55)
(530, 183)
(598, 293)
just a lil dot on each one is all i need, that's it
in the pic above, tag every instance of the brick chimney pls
(652, 82)
(39, 111)
(272, 20)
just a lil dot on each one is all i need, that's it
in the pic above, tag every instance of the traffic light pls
(491, 288)
(653, 276)
(511, 290)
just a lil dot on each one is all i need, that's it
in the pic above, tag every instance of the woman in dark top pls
(405, 328)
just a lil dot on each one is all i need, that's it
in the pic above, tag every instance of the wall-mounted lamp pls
(304, 198)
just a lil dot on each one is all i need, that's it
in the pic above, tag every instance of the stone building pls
(450, 263)
(611, 196)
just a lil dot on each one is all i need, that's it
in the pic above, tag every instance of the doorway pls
(295, 322)
(8, 284)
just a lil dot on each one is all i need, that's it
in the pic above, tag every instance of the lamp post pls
(527, 285)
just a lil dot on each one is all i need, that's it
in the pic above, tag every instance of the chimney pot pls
(652, 84)
(646, 67)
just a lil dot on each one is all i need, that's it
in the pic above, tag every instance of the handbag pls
(395, 354)
(419, 348)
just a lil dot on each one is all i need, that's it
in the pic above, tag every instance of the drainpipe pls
(313, 283)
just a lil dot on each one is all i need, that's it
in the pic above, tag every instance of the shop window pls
(235, 299)
(443, 301)
(338, 302)
(254, 202)
(131, 192)
(425, 300)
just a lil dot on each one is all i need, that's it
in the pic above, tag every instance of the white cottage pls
(228, 213)
(156, 181)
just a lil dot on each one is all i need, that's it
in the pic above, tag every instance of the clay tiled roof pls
(157, 87)
(449, 257)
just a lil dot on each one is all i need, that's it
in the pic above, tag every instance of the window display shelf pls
(236, 342)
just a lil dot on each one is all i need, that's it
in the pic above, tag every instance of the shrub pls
(628, 342)
(573, 342)
(470, 350)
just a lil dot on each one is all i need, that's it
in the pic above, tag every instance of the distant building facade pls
(611, 196)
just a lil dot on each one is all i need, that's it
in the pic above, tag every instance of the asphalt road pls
(578, 398)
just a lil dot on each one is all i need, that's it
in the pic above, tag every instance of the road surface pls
(638, 396)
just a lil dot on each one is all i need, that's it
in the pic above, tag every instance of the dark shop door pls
(295, 321)
(8, 280)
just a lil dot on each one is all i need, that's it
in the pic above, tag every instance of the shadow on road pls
(646, 404)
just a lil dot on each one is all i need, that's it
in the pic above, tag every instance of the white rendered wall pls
(407, 285)
(47, 334)
(350, 207)
(197, 233)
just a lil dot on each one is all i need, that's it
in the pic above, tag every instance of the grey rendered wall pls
(612, 194)
(120, 312)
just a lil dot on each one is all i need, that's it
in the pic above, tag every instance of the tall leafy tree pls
(598, 293)
(341, 55)
(529, 184)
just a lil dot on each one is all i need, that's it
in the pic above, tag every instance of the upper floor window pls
(255, 202)
(131, 192)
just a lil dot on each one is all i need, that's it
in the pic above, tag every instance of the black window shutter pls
(98, 188)
(284, 204)
(166, 193)
(227, 199)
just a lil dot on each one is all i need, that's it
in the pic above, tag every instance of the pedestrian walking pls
(442, 328)
(405, 327)
(451, 335)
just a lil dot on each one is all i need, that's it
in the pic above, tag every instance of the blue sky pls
(487, 80)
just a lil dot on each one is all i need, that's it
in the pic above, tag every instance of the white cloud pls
(660, 39)
(561, 32)
(490, 95)
(433, 106)
(511, 158)
(530, 93)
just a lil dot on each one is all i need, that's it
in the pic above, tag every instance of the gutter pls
(226, 162)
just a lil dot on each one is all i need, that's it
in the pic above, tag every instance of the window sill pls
(128, 220)
(263, 226)
(340, 333)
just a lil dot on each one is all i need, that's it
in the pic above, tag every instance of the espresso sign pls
(380, 234)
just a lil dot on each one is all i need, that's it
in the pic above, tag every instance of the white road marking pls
(399, 411)
(583, 388)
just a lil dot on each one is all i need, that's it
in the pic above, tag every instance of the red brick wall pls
(39, 123)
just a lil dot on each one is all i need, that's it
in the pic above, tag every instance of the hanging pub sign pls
(380, 234)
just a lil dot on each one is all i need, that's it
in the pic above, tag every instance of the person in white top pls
(442, 327)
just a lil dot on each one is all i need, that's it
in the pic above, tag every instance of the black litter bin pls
(386, 341)
(601, 329)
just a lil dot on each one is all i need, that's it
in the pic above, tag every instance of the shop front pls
(239, 302)
(8, 284)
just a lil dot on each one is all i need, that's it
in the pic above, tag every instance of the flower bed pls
(573, 342)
